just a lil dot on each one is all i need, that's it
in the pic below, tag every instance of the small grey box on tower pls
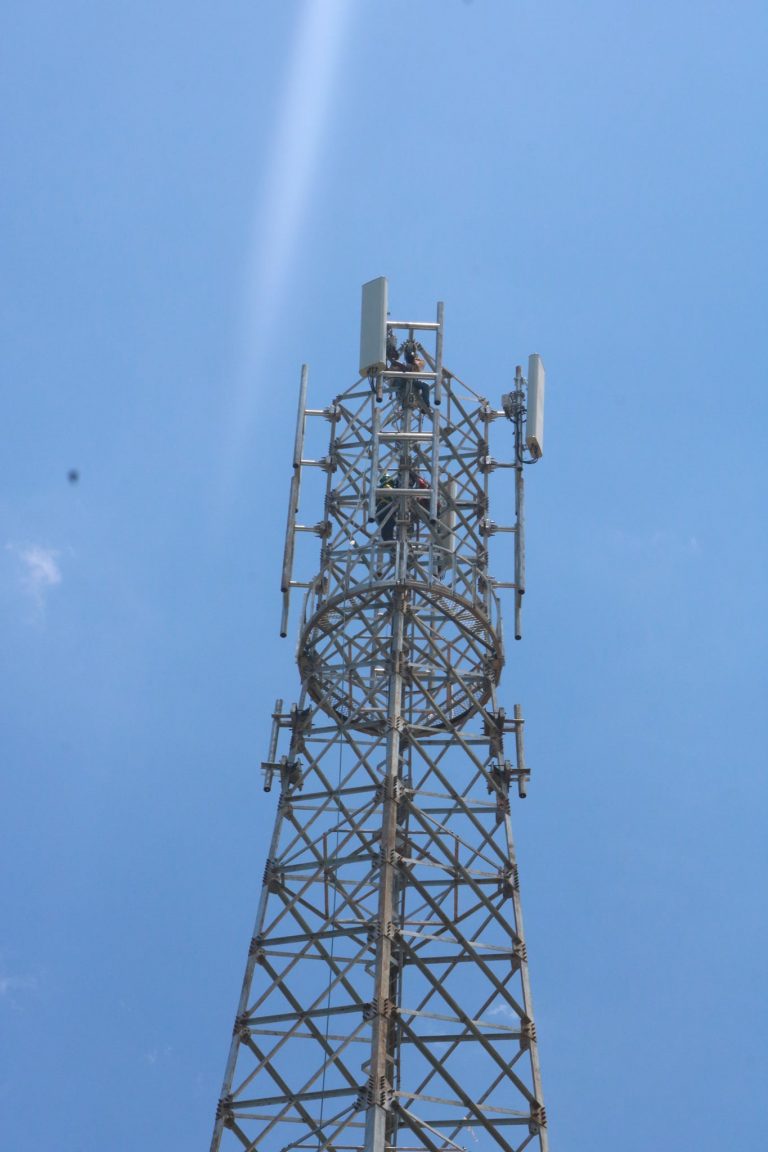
(534, 423)
(373, 326)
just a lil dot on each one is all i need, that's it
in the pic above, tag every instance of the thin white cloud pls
(503, 1010)
(39, 571)
(657, 542)
(11, 986)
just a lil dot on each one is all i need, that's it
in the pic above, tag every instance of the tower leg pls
(380, 1069)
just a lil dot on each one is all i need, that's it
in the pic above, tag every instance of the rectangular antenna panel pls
(534, 423)
(373, 326)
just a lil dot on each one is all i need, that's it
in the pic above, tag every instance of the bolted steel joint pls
(240, 1027)
(519, 955)
(378, 1092)
(538, 1119)
(224, 1110)
(527, 1033)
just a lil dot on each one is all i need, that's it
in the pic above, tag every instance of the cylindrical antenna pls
(293, 500)
(269, 766)
(439, 353)
(435, 466)
(522, 771)
(519, 551)
(284, 614)
(519, 507)
(375, 425)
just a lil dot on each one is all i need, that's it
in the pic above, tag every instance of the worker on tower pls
(393, 352)
(385, 508)
(414, 392)
(415, 363)
(411, 356)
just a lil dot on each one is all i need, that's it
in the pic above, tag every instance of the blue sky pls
(191, 196)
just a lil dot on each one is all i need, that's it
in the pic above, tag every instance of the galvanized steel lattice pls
(386, 1001)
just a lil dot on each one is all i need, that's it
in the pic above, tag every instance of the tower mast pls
(386, 1001)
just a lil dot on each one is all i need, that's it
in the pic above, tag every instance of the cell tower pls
(386, 1002)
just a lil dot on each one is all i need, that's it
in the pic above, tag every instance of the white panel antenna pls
(373, 326)
(534, 423)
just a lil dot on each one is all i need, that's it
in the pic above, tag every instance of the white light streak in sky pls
(301, 128)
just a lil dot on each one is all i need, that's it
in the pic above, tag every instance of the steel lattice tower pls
(386, 1001)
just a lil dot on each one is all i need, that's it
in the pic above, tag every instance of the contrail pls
(282, 208)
